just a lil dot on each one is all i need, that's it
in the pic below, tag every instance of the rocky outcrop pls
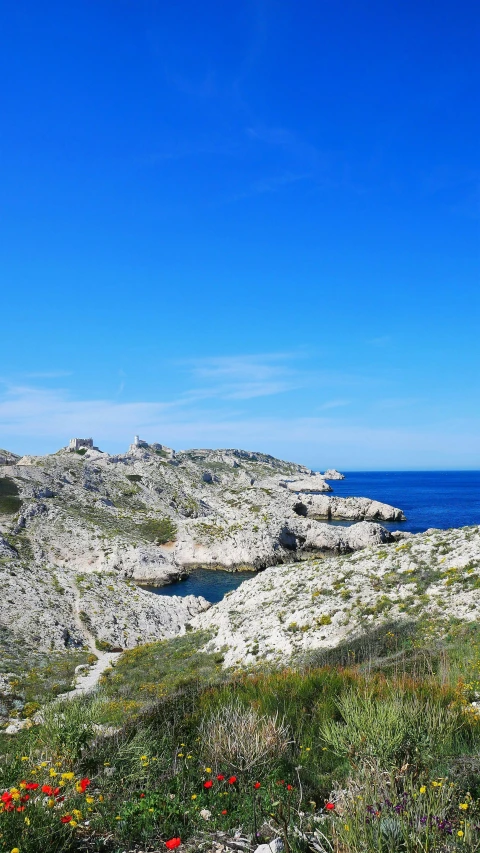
(309, 485)
(333, 474)
(321, 506)
(298, 609)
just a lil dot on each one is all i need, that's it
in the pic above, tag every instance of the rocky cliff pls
(79, 526)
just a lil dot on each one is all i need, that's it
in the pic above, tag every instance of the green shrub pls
(159, 530)
(9, 504)
(134, 478)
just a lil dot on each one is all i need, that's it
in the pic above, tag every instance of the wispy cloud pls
(247, 376)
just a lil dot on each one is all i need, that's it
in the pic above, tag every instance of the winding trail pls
(86, 682)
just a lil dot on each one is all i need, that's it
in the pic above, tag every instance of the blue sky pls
(248, 224)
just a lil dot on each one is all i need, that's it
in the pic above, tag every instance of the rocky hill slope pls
(296, 609)
(79, 526)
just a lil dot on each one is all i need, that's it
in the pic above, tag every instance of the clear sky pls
(243, 224)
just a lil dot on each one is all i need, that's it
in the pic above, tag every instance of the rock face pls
(87, 523)
(333, 474)
(298, 609)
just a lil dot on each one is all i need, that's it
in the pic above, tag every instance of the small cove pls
(440, 499)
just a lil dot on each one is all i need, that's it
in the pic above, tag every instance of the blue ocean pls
(440, 499)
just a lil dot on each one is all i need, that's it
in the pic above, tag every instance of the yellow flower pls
(143, 757)
(189, 756)
(77, 813)
(89, 799)
(307, 749)
(423, 789)
(460, 833)
(16, 850)
(118, 817)
(68, 775)
(347, 828)
(24, 758)
(22, 785)
(101, 798)
(53, 772)
(150, 810)
(73, 823)
(194, 796)
(463, 806)
(27, 821)
(15, 793)
(208, 769)
(44, 764)
(182, 744)
(51, 803)
(180, 754)
(106, 764)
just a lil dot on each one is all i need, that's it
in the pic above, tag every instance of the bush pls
(239, 737)
(159, 530)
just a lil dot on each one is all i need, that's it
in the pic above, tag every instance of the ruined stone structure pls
(77, 443)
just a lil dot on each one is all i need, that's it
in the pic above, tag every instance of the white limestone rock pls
(300, 608)
(333, 474)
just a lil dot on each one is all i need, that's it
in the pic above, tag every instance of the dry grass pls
(238, 736)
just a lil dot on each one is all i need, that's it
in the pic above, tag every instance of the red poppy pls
(9, 807)
(330, 806)
(60, 799)
(220, 777)
(31, 786)
(48, 790)
(6, 797)
(83, 785)
(232, 780)
(172, 843)
(25, 798)
(56, 791)
(20, 808)
(289, 787)
(208, 783)
(281, 782)
(257, 785)
(141, 796)
(224, 811)
(66, 818)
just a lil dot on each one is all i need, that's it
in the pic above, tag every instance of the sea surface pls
(440, 499)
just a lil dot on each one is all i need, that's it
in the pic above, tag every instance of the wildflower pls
(289, 787)
(194, 796)
(224, 811)
(24, 758)
(232, 780)
(180, 755)
(68, 776)
(257, 785)
(463, 806)
(48, 790)
(77, 814)
(347, 828)
(330, 806)
(89, 799)
(173, 843)
(208, 769)
(208, 783)
(143, 757)
(16, 850)
(82, 785)
(31, 786)
(50, 803)
(66, 818)
(460, 833)
(220, 777)
(27, 821)
(53, 772)
(423, 789)
(141, 797)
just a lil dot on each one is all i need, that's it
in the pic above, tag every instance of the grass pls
(10, 503)
(390, 743)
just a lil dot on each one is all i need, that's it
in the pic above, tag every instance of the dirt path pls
(86, 682)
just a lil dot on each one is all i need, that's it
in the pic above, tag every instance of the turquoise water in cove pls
(440, 499)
